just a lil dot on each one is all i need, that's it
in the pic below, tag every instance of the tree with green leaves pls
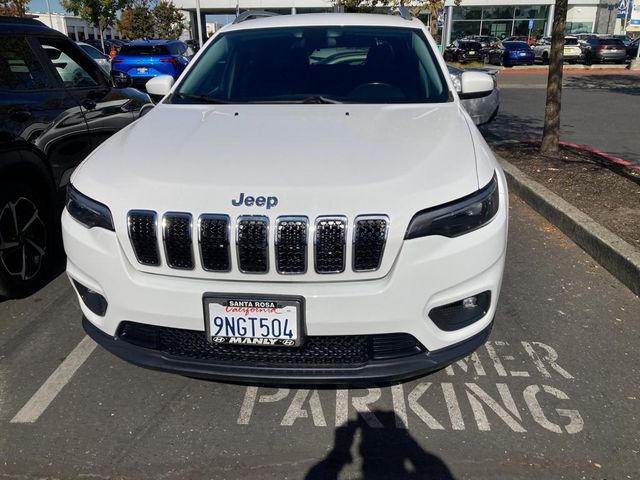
(169, 22)
(137, 22)
(13, 8)
(101, 13)
(416, 7)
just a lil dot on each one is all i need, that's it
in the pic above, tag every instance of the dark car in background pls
(486, 41)
(463, 51)
(108, 42)
(143, 60)
(510, 54)
(56, 106)
(603, 50)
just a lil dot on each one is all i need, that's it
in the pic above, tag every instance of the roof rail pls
(402, 11)
(24, 20)
(253, 14)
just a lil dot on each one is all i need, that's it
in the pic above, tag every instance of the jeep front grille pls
(143, 227)
(176, 235)
(291, 244)
(292, 241)
(330, 243)
(369, 238)
(252, 242)
(213, 231)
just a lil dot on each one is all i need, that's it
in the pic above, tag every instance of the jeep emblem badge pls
(249, 201)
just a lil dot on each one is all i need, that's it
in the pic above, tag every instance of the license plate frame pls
(281, 301)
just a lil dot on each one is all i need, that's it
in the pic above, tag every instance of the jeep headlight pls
(87, 211)
(458, 217)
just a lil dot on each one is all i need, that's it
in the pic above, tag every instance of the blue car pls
(144, 59)
(510, 54)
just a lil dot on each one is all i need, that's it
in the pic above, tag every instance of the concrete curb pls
(613, 253)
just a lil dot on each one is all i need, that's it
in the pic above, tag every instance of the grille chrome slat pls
(330, 244)
(291, 244)
(369, 240)
(252, 243)
(213, 237)
(143, 227)
(177, 239)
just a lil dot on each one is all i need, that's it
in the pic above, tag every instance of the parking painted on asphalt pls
(552, 394)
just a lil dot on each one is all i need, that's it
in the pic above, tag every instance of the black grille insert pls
(214, 243)
(142, 232)
(252, 242)
(369, 239)
(330, 242)
(176, 231)
(336, 351)
(291, 244)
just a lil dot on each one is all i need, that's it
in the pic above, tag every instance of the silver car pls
(484, 109)
(100, 58)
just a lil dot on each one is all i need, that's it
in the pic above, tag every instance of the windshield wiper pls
(201, 98)
(319, 99)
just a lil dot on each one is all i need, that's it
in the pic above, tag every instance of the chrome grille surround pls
(369, 240)
(215, 251)
(252, 243)
(290, 241)
(177, 228)
(329, 244)
(142, 228)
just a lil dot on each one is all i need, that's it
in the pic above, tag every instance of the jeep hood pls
(316, 159)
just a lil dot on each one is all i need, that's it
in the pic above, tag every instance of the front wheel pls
(26, 239)
(545, 58)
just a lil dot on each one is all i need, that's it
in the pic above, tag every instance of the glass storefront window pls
(464, 29)
(521, 27)
(505, 12)
(500, 29)
(579, 27)
(467, 13)
(532, 11)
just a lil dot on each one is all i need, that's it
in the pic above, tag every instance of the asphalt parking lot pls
(585, 97)
(552, 395)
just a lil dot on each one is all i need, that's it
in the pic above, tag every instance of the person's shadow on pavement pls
(387, 453)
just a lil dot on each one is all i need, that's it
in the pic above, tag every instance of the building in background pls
(74, 27)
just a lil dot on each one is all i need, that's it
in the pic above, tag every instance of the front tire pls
(26, 239)
(545, 58)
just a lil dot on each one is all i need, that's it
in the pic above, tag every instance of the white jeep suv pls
(309, 203)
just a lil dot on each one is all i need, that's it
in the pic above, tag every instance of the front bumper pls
(373, 372)
(427, 273)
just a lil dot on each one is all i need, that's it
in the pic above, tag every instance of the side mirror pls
(160, 86)
(120, 79)
(475, 85)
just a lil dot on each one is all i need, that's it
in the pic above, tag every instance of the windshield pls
(143, 50)
(316, 65)
(93, 53)
(571, 41)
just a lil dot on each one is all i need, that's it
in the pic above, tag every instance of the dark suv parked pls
(56, 106)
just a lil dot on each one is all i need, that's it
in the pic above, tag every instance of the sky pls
(41, 6)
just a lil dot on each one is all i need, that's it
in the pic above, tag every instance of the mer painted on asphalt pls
(553, 394)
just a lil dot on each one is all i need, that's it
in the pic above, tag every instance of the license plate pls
(143, 70)
(523, 54)
(472, 52)
(254, 320)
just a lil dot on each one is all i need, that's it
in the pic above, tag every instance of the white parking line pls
(39, 402)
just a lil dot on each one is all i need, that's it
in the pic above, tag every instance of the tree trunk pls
(551, 132)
